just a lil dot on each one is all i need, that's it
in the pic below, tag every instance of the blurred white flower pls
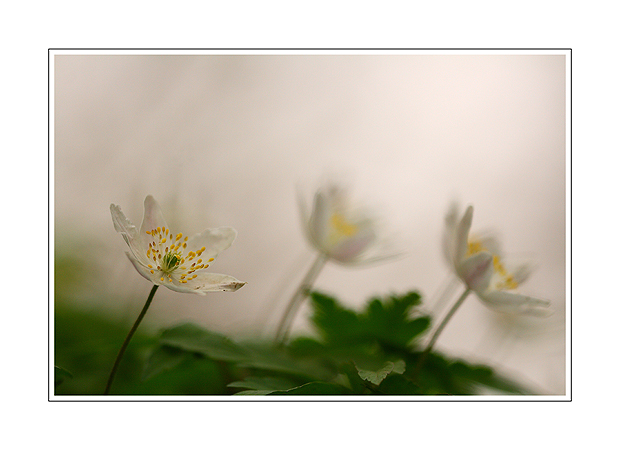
(339, 231)
(171, 260)
(478, 263)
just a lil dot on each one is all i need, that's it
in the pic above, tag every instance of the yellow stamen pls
(342, 226)
(474, 247)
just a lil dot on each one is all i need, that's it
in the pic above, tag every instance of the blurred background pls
(229, 140)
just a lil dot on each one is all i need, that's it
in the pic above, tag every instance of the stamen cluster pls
(503, 280)
(168, 253)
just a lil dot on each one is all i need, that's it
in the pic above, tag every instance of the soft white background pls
(227, 140)
(588, 29)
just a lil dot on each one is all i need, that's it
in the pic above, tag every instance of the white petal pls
(514, 303)
(489, 241)
(153, 216)
(449, 234)
(448, 244)
(121, 223)
(462, 233)
(142, 269)
(304, 215)
(520, 271)
(129, 232)
(451, 217)
(351, 248)
(215, 240)
(476, 271)
(207, 282)
(319, 220)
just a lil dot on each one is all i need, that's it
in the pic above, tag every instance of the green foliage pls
(388, 322)
(312, 388)
(376, 377)
(163, 358)
(375, 351)
(372, 352)
(87, 342)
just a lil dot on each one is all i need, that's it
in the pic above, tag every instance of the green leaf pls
(265, 358)
(305, 346)
(485, 376)
(264, 383)
(163, 358)
(312, 388)
(355, 382)
(335, 323)
(192, 338)
(390, 322)
(376, 377)
(315, 388)
(61, 375)
(273, 360)
(397, 384)
(253, 392)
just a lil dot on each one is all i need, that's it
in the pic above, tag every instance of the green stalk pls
(298, 298)
(440, 328)
(128, 338)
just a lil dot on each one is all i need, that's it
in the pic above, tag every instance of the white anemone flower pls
(171, 260)
(479, 264)
(340, 231)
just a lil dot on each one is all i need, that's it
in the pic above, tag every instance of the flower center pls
(342, 226)
(502, 279)
(170, 261)
(171, 258)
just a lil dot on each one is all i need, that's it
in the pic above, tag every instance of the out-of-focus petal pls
(515, 303)
(462, 233)
(452, 216)
(319, 220)
(476, 271)
(520, 271)
(351, 248)
(490, 242)
(304, 215)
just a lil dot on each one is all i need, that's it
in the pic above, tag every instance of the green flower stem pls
(440, 328)
(128, 338)
(298, 298)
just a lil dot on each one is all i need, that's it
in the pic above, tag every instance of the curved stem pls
(440, 328)
(298, 297)
(128, 338)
